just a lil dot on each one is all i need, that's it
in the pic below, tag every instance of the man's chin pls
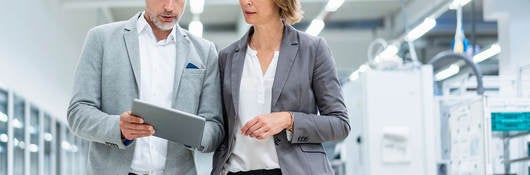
(165, 26)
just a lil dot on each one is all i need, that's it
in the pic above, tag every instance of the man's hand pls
(133, 127)
(264, 126)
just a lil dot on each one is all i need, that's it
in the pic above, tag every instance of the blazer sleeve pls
(332, 124)
(210, 106)
(84, 116)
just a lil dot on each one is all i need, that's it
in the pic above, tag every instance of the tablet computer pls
(171, 124)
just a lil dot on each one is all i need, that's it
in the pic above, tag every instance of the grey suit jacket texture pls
(107, 80)
(305, 84)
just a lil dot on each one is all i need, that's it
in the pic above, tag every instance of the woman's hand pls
(264, 126)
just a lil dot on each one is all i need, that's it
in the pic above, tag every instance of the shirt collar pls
(143, 26)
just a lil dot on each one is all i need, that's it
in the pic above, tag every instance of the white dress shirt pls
(157, 69)
(255, 96)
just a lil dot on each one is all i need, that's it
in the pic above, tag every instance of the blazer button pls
(277, 141)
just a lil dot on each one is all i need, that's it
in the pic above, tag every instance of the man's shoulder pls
(196, 40)
(109, 27)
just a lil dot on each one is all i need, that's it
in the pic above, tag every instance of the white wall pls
(349, 47)
(39, 48)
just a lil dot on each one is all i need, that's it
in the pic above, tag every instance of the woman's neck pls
(267, 36)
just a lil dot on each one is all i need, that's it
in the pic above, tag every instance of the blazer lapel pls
(130, 37)
(183, 50)
(238, 62)
(288, 52)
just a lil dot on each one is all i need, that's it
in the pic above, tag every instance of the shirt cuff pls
(125, 141)
(289, 135)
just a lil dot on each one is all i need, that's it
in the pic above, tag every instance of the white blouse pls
(255, 95)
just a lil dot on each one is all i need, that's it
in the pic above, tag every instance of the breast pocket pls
(190, 89)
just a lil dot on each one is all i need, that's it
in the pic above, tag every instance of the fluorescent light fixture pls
(65, 145)
(488, 53)
(355, 74)
(197, 6)
(48, 137)
(446, 73)
(389, 51)
(196, 28)
(33, 148)
(421, 29)
(74, 149)
(457, 3)
(315, 27)
(333, 5)
(32, 130)
(3, 138)
(3, 117)
(21, 145)
(17, 124)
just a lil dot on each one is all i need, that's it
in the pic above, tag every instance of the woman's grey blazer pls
(305, 84)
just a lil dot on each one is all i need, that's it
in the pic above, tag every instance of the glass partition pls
(34, 136)
(19, 145)
(59, 151)
(47, 147)
(3, 131)
(70, 151)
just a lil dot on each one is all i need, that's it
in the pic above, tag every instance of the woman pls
(275, 81)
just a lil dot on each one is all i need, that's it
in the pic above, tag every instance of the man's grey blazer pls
(107, 80)
(305, 84)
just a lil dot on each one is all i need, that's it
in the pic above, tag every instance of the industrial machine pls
(391, 114)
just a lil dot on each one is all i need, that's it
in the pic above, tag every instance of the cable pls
(469, 62)
(379, 41)
(412, 48)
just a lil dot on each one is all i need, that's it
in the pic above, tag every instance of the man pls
(148, 57)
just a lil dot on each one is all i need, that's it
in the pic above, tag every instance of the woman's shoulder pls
(307, 40)
(226, 52)
(230, 48)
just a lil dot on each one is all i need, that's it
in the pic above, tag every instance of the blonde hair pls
(290, 10)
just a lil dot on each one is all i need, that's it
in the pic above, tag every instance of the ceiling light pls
(197, 6)
(196, 28)
(488, 53)
(333, 5)
(389, 51)
(3, 138)
(48, 137)
(456, 3)
(355, 74)
(421, 29)
(315, 27)
(17, 124)
(3, 117)
(446, 73)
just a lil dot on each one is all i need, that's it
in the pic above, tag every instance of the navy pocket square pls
(191, 66)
